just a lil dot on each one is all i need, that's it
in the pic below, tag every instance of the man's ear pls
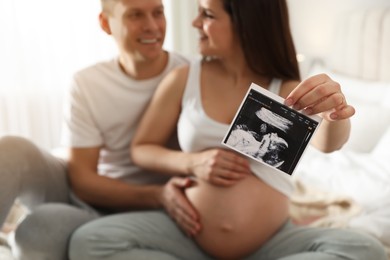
(104, 23)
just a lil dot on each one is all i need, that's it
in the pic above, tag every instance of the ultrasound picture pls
(264, 145)
(268, 131)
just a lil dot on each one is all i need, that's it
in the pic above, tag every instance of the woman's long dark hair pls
(263, 29)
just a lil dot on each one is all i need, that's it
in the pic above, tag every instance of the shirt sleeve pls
(79, 127)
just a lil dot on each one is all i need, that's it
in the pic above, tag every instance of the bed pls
(350, 188)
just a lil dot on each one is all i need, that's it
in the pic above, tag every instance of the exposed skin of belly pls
(237, 220)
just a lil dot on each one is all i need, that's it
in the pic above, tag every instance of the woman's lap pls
(139, 235)
(299, 242)
(133, 236)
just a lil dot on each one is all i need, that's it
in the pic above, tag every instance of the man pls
(105, 102)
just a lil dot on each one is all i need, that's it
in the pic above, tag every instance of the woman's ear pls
(104, 23)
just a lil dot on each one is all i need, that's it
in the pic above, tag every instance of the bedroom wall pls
(313, 22)
(181, 36)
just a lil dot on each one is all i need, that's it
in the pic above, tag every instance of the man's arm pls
(106, 192)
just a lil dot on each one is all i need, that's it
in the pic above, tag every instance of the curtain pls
(181, 36)
(44, 42)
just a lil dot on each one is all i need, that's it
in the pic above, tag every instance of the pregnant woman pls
(240, 216)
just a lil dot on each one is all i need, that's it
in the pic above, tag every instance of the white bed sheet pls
(362, 176)
(360, 170)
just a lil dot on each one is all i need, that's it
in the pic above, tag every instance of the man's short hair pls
(107, 5)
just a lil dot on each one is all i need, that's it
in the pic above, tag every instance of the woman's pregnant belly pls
(237, 220)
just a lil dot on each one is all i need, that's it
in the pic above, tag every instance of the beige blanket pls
(310, 206)
(313, 207)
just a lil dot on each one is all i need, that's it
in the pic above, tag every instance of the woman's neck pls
(241, 74)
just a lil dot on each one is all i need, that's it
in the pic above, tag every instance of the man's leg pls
(306, 243)
(137, 235)
(44, 234)
(30, 174)
(36, 177)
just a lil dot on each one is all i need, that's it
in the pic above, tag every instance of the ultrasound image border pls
(275, 102)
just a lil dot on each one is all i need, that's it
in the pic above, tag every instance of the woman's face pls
(216, 37)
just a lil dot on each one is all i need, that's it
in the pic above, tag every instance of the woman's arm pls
(332, 135)
(321, 95)
(158, 124)
(218, 166)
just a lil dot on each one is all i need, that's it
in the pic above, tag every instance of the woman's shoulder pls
(174, 82)
(180, 72)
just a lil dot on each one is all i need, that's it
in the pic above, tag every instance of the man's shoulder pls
(178, 59)
(97, 68)
(95, 75)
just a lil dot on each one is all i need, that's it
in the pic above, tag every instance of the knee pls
(91, 241)
(105, 238)
(78, 245)
(355, 245)
(13, 149)
(15, 164)
(370, 247)
(46, 231)
(88, 243)
(35, 239)
(20, 158)
(12, 143)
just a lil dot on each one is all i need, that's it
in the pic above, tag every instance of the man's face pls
(138, 27)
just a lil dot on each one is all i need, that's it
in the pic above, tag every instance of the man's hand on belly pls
(179, 207)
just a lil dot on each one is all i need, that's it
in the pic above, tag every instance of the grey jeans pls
(153, 235)
(39, 181)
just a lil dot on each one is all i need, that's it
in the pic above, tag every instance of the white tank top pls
(197, 131)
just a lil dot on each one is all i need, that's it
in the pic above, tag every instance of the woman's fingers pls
(313, 91)
(221, 167)
(334, 101)
(298, 97)
(319, 94)
(234, 162)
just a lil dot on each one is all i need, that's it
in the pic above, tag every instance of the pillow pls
(382, 148)
(356, 90)
(371, 101)
(386, 99)
(367, 127)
